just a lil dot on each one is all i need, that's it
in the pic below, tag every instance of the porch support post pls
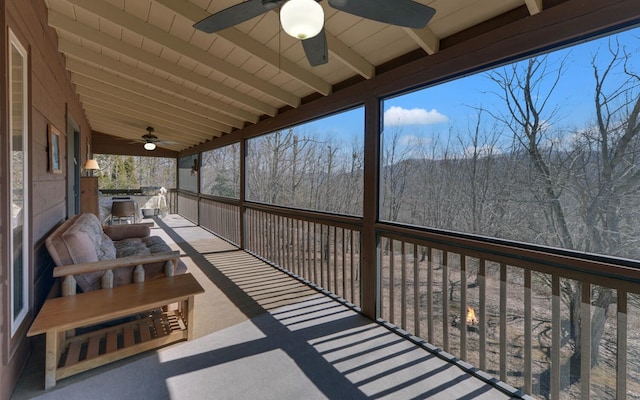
(369, 265)
(243, 193)
(198, 198)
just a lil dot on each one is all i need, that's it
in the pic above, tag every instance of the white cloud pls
(396, 116)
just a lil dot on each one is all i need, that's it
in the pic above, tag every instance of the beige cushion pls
(107, 250)
(57, 247)
(83, 239)
(81, 248)
(79, 245)
(125, 231)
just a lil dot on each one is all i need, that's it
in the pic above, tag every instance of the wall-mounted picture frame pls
(54, 150)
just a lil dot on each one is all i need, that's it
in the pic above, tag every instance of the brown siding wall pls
(51, 96)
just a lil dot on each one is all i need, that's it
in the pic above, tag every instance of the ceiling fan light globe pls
(149, 146)
(302, 19)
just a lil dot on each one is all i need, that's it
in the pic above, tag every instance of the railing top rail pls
(341, 221)
(187, 193)
(130, 191)
(581, 266)
(220, 199)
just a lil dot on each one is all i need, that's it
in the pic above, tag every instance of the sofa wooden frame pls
(155, 323)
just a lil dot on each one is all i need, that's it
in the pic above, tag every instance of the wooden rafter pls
(253, 47)
(159, 36)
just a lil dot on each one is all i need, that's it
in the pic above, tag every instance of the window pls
(132, 172)
(18, 173)
(545, 150)
(220, 174)
(316, 166)
(188, 168)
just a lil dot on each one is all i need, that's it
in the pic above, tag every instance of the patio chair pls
(123, 209)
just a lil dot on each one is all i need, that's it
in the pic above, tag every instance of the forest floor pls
(449, 295)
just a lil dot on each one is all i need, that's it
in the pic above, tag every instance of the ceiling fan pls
(150, 140)
(304, 19)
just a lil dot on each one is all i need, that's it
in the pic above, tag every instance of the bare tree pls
(267, 166)
(395, 172)
(593, 170)
(219, 171)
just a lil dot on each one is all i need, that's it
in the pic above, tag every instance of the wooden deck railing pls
(188, 205)
(222, 217)
(307, 245)
(553, 323)
(508, 310)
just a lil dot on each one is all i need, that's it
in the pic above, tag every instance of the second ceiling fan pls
(304, 19)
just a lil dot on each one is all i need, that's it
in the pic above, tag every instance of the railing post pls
(585, 341)
(528, 326)
(444, 262)
(416, 292)
(242, 242)
(621, 373)
(503, 322)
(482, 310)
(555, 337)
(403, 285)
(463, 306)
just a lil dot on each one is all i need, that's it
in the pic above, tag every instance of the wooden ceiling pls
(139, 63)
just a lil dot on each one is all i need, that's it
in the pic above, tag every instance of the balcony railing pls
(551, 323)
(188, 206)
(324, 253)
(221, 217)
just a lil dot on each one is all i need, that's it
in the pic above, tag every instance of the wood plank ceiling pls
(139, 63)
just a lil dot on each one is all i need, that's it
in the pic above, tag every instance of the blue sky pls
(439, 108)
(453, 102)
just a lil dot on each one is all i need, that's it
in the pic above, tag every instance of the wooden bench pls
(158, 325)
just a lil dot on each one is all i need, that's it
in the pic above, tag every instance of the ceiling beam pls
(235, 116)
(188, 125)
(89, 73)
(349, 57)
(234, 36)
(336, 47)
(159, 36)
(119, 93)
(132, 137)
(102, 143)
(137, 127)
(114, 109)
(84, 32)
(534, 6)
(425, 38)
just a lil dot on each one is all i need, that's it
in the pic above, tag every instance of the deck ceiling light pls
(302, 19)
(149, 146)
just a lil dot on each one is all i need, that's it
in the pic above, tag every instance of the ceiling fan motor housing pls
(302, 19)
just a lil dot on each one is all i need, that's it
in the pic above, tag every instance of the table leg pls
(51, 358)
(190, 317)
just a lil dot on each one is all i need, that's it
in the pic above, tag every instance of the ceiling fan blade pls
(405, 13)
(234, 15)
(316, 49)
